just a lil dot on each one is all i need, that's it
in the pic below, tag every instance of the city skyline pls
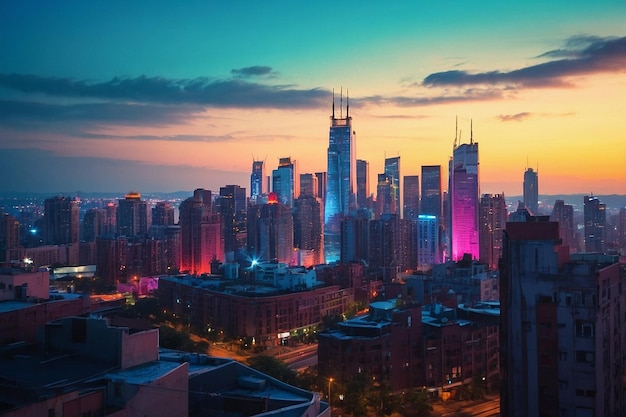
(114, 97)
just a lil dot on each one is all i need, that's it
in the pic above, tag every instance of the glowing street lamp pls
(330, 381)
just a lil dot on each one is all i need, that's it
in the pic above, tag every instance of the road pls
(300, 357)
(487, 408)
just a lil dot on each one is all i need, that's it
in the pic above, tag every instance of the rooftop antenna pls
(341, 103)
(348, 104)
(471, 132)
(456, 130)
(333, 103)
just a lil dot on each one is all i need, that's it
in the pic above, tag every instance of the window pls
(584, 356)
(584, 328)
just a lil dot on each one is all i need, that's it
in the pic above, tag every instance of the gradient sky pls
(115, 96)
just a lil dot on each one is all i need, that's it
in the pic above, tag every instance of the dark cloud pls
(405, 101)
(581, 56)
(514, 117)
(198, 91)
(168, 138)
(20, 112)
(254, 71)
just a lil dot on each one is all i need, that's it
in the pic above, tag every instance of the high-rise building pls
(355, 236)
(493, 217)
(61, 220)
(258, 180)
(308, 228)
(286, 181)
(531, 190)
(94, 224)
(233, 206)
(621, 228)
(134, 216)
(562, 336)
(308, 185)
(564, 215)
(392, 245)
(270, 231)
(411, 197)
(201, 237)
(595, 224)
(431, 190)
(428, 247)
(341, 181)
(385, 196)
(321, 185)
(464, 201)
(392, 170)
(362, 183)
(163, 214)
(9, 238)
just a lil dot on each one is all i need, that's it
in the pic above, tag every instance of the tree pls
(416, 404)
(356, 396)
(273, 367)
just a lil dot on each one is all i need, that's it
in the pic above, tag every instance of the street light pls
(330, 381)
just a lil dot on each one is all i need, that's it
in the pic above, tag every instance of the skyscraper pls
(411, 198)
(464, 200)
(392, 170)
(564, 215)
(270, 231)
(233, 206)
(258, 181)
(595, 224)
(286, 181)
(163, 214)
(341, 181)
(308, 186)
(134, 216)
(308, 229)
(531, 190)
(61, 220)
(493, 216)
(200, 236)
(385, 196)
(362, 182)
(428, 247)
(431, 190)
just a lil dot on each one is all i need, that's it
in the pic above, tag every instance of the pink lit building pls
(464, 201)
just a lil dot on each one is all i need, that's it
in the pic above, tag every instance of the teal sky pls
(80, 79)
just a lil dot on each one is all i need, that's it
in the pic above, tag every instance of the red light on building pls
(272, 198)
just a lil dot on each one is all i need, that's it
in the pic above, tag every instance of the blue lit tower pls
(341, 181)
(392, 170)
(258, 180)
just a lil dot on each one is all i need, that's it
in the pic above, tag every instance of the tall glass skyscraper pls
(464, 201)
(362, 182)
(341, 181)
(258, 181)
(431, 190)
(286, 181)
(392, 170)
(531, 190)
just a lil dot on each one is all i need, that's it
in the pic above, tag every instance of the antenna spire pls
(341, 103)
(456, 130)
(333, 103)
(347, 104)
(471, 132)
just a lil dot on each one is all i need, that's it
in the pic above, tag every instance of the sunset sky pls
(115, 96)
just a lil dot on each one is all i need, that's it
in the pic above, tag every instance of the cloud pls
(580, 56)
(201, 91)
(254, 71)
(514, 117)
(407, 101)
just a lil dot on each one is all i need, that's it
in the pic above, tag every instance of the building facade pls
(464, 201)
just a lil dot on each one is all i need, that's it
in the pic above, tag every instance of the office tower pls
(493, 217)
(308, 229)
(61, 220)
(258, 180)
(110, 223)
(321, 185)
(595, 224)
(531, 190)
(233, 206)
(428, 247)
(163, 214)
(270, 231)
(411, 199)
(206, 197)
(562, 336)
(431, 190)
(464, 200)
(564, 215)
(341, 181)
(355, 236)
(308, 185)
(362, 183)
(621, 228)
(9, 238)
(134, 216)
(286, 181)
(201, 237)
(392, 246)
(392, 170)
(385, 201)
(94, 223)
